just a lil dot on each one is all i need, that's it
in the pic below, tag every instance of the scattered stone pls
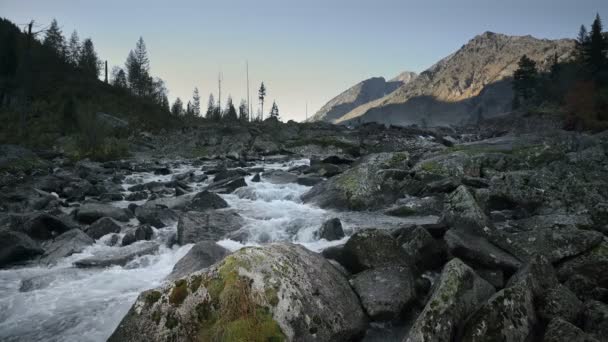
(157, 217)
(201, 255)
(16, 247)
(137, 196)
(309, 180)
(227, 186)
(462, 212)
(256, 178)
(507, 316)
(194, 226)
(207, 200)
(385, 291)
(143, 232)
(102, 227)
(66, 244)
(279, 177)
(232, 173)
(538, 274)
(331, 230)
(91, 212)
(372, 248)
(457, 294)
(111, 197)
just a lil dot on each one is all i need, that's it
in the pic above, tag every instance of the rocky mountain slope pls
(474, 81)
(359, 94)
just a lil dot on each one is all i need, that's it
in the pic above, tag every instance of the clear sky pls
(304, 51)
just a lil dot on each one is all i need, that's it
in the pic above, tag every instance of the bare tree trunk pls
(106, 78)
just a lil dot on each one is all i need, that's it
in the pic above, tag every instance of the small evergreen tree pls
(119, 78)
(210, 108)
(73, 49)
(274, 111)
(582, 45)
(138, 70)
(597, 47)
(261, 96)
(89, 62)
(524, 81)
(230, 110)
(54, 39)
(178, 107)
(243, 112)
(196, 103)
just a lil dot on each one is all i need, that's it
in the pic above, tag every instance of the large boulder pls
(479, 251)
(593, 265)
(157, 217)
(560, 302)
(362, 187)
(194, 226)
(201, 255)
(595, 319)
(207, 200)
(538, 274)
(331, 230)
(507, 316)
(279, 177)
(372, 248)
(227, 186)
(232, 173)
(143, 232)
(16, 247)
(461, 211)
(91, 212)
(385, 292)
(556, 243)
(66, 244)
(120, 257)
(102, 227)
(275, 293)
(458, 292)
(424, 251)
(560, 330)
(42, 226)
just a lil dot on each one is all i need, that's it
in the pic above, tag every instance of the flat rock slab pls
(122, 256)
(91, 212)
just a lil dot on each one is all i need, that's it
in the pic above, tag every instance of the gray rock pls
(279, 177)
(462, 212)
(494, 277)
(507, 316)
(372, 248)
(414, 206)
(102, 227)
(143, 232)
(331, 230)
(593, 265)
(305, 285)
(91, 212)
(458, 292)
(309, 180)
(227, 186)
(595, 319)
(479, 251)
(193, 226)
(256, 178)
(120, 257)
(560, 302)
(42, 226)
(560, 330)
(425, 252)
(554, 243)
(385, 292)
(137, 196)
(232, 173)
(538, 274)
(202, 255)
(207, 200)
(66, 244)
(157, 217)
(16, 247)
(111, 197)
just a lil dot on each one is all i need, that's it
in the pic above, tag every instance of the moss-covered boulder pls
(538, 274)
(507, 316)
(458, 292)
(479, 251)
(560, 302)
(278, 292)
(593, 265)
(560, 330)
(461, 211)
(370, 248)
(364, 186)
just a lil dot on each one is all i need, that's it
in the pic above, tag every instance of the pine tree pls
(524, 80)
(178, 107)
(119, 78)
(582, 45)
(54, 39)
(274, 111)
(243, 112)
(597, 46)
(261, 96)
(196, 103)
(230, 110)
(73, 49)
(89, 62)
(159, 90)
(210, 107)
(138, 70)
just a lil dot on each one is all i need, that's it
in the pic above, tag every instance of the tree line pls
(578, 87)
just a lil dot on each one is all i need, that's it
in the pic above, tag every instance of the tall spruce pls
(243, 112)
(597, 46)
(119, 78)
(138, 70)
(54, 39)
(274, 110)
(524, 81)
(178, 107)
(210, 107)
(231, 114)
(73, 49)
(196, 102)
(89, 62)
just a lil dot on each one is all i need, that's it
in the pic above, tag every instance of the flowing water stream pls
(65, 303)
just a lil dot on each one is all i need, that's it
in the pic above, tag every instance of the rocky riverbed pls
(437, 238)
